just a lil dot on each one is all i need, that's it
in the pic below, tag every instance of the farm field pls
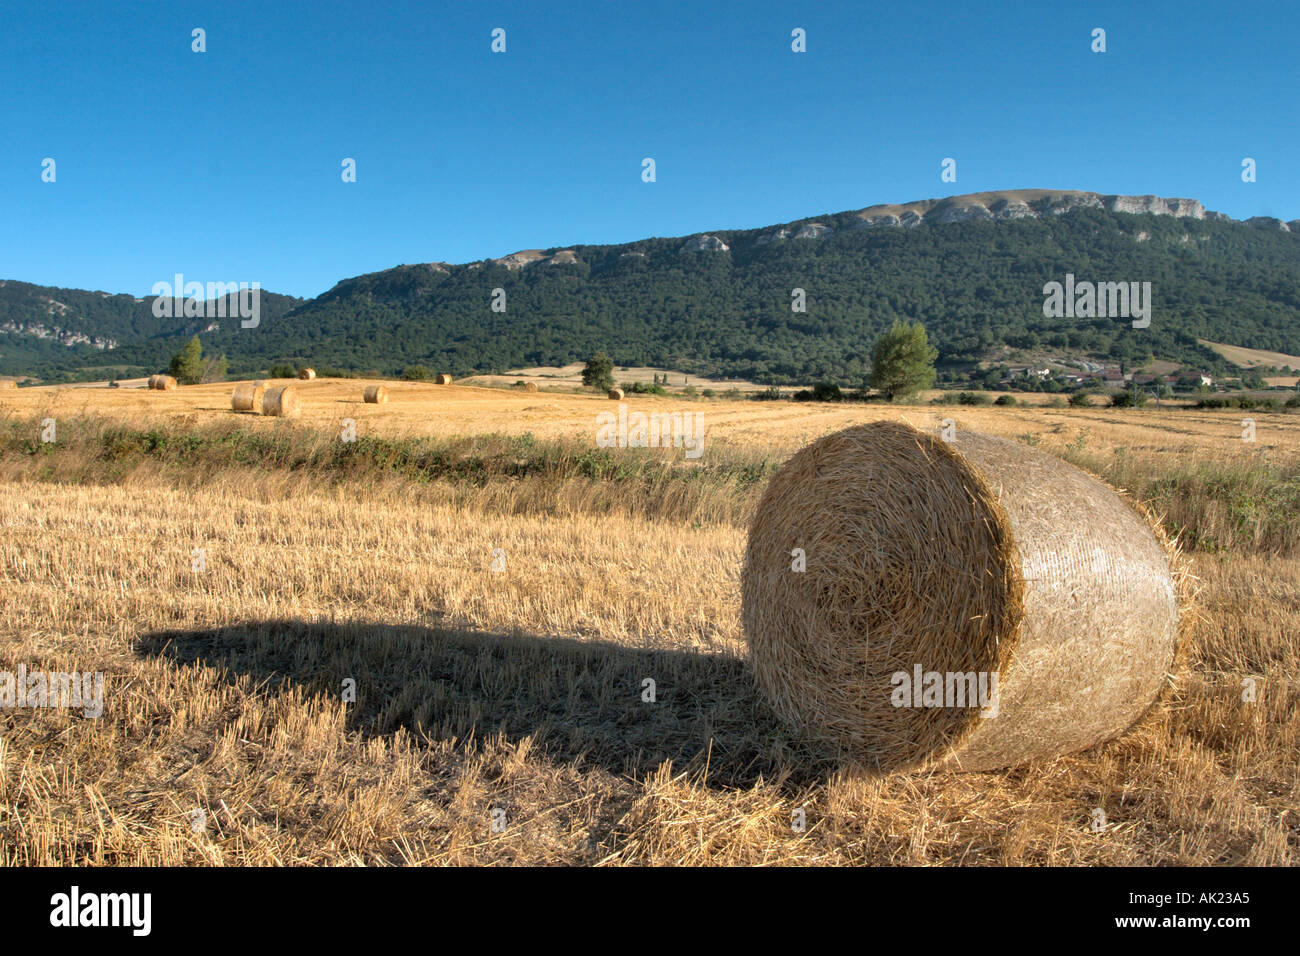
(1250, 358)
(571, 375)
(498, 623)
(421, 409)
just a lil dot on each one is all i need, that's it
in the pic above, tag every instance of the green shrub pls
(826, 392)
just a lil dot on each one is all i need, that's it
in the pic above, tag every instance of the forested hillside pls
(975, 284)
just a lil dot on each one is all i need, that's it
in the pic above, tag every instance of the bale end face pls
(282, 402)
(530, 387)
(969, 606)
(248, 398)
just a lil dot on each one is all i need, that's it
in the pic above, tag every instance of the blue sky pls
(225, 165)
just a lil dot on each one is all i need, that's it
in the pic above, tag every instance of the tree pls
(902, 362)
(416, 373)
(826, 392)
(599, 373)
(187, 364)
(213, 369)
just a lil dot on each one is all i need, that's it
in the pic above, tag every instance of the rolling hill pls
(972, 268)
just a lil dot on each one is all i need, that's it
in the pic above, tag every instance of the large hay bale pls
(530, 386)
(8, 383)
(163, 383)
(248, 398)
(443, 378)
(978, 556)
(375, 394)
(306, 374)
(282, 402)
(616, 394)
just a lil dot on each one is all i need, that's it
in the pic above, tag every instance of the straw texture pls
(281, 402)
(981, 555)
(443, 378)
(307, 374)
(616, 394)
(375, 394)
(248, 398)
(162, 382)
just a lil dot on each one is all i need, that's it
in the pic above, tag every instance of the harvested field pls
(521, 689)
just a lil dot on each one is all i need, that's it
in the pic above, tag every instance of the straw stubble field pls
(521, 689)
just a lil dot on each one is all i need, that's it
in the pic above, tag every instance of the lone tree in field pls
(213, 369)
(187, 364)
(599, 373)
(902, 362)
(189, 367)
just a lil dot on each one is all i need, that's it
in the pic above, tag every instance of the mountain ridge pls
(991, 204)
(972, 267)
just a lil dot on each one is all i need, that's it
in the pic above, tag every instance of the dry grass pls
(776, 428)
(522, 689)
(1251, 358)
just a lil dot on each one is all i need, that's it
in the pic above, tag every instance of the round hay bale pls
(616, 394)
(530, 386)
(163, 383)
(376, 394)
(443, 378)
(248, 398)
(282, 402)
(972, 560)
(8, 383)
(153, 381)
(306, 374)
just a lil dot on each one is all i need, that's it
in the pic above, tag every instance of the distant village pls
(1162, 378)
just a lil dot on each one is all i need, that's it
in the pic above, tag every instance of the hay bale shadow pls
(580, 701)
